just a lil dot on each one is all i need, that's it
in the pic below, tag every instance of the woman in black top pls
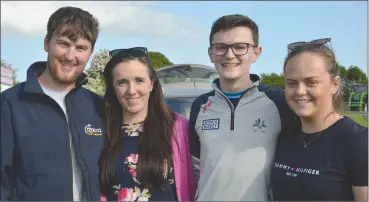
(326, 157)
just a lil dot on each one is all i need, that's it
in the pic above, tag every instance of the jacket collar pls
(255, 79)
(36, 69)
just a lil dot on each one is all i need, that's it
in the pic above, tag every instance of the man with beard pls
(51, 127)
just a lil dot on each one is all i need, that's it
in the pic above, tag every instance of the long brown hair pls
(155, 148)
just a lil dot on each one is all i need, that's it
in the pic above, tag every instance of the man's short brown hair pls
(73, 23)
(228, 22)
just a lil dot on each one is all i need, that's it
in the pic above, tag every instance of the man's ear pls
(257, 52)
(210, 55)
(46, 44)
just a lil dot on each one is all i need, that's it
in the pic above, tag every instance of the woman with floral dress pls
(146, 153)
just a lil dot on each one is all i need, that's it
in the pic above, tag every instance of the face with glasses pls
(232, 51)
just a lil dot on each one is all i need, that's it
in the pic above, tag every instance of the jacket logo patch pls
(210, 124)
(89, 130)
(259, 125)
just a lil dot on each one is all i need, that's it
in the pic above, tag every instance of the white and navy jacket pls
(233, 148)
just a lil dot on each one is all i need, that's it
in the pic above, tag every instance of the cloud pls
(117, 17)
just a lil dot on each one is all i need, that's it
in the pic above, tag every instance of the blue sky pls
(180, 30)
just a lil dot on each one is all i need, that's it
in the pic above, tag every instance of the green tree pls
(347, 88)
(98, 63)
(9, 66)
(159, 60)
(364, 79)
(273, 79)
(95, 77)
(355, 74)
(343, 71)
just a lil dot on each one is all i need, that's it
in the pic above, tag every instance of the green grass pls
(357, 117)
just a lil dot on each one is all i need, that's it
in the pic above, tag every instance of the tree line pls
(349, 77)
(352, 74)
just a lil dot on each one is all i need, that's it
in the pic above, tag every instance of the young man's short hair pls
(228, 22)
(73, 23)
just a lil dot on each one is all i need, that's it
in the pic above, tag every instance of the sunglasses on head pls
(317, 42)
(135, 52)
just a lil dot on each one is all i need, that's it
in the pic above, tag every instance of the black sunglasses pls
(135, 52)
(317, 42)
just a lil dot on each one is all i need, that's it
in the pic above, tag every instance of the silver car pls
(183, 83)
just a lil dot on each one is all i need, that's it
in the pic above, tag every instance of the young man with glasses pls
(234, 128)
(51, 127)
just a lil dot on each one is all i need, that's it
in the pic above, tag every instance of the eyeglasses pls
(135, 52)
(238, 49)
(317, 42)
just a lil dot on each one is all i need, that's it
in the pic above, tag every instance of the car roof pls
(186, 80)
(187, 71)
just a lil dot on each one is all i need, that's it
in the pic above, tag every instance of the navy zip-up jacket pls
(35, 149)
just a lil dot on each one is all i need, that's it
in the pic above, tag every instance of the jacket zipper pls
(232, 110)
(68, 145)
(70, 156)
(83, 171)
(232, 119)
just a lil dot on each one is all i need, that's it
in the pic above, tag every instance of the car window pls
(180, 105)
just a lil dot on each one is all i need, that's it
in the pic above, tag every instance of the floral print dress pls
(128, 187)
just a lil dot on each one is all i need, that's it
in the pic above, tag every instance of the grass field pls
(358, 117)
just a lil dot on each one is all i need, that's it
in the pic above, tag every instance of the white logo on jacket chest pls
(89, 130)
(210, 124)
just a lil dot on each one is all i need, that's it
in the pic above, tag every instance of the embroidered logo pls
(210, 124)
(259, 125)
(295, 171)
(89, 130)
(208, 104)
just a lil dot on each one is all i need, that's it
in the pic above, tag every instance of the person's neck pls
(235, 86)
(47, 80)
(129, 118)
(319, 122)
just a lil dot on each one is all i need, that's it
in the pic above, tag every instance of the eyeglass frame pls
(231, 46)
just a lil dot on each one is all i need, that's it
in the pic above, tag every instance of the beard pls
(62, 76)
